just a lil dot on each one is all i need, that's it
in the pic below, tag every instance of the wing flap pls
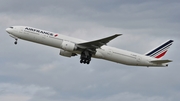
(97, 43)
(161, 61)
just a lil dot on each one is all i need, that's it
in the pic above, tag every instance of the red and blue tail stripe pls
(161, 50)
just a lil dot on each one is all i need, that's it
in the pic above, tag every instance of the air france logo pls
(55, 35)
(40, 31)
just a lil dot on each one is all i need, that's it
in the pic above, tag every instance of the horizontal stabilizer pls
(161, 61)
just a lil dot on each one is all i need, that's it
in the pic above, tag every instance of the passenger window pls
(11, 27)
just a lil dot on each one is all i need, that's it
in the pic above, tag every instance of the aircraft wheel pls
(84, 61)
(88, 62)
(81, 61)
(15, 42)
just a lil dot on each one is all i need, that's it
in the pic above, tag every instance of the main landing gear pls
(15, 41)
(85, 57)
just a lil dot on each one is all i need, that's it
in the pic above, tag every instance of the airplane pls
(70, 46)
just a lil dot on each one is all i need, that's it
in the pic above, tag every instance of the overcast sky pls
(33, 72)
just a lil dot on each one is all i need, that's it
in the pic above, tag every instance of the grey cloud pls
(144, 25)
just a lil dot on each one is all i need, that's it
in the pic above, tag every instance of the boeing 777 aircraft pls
(70, 46)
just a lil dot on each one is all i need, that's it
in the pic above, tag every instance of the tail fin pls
(161, 50)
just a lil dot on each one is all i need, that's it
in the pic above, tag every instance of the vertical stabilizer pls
(161, 50)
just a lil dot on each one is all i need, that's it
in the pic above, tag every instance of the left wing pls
(97, 43)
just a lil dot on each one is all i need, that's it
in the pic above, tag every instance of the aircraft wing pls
(97, 43)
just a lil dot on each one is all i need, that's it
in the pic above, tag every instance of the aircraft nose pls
(8, 30)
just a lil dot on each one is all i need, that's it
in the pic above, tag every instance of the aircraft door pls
(21, 30)
(138, 58)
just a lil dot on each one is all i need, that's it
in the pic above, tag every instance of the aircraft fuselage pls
(56, 40)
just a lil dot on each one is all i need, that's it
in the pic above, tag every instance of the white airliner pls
(70, 46)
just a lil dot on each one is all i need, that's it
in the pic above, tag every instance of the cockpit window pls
(11, 27)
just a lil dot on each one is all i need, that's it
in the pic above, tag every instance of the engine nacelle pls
(66, 53)
(68, 46)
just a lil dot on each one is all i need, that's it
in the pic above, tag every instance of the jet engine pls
(68, 46)
(66, 53)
